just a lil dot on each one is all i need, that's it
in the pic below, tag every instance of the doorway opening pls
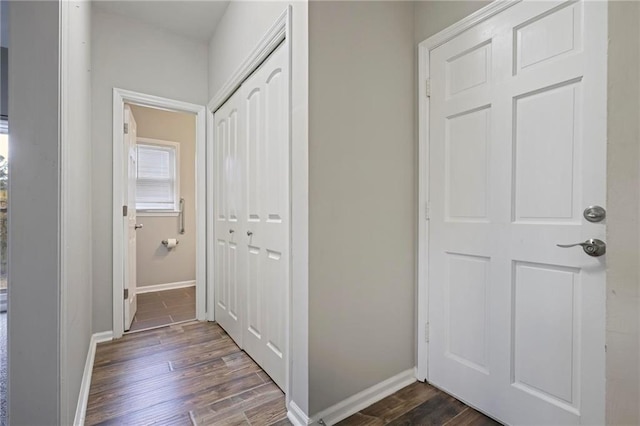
(159, 219)
(163, 257)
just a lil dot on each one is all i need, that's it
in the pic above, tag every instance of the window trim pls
(163, 212)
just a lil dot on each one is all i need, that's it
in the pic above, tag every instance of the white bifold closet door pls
(252, 215)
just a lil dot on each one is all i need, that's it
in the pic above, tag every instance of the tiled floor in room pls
(164, 307)
(192, 373)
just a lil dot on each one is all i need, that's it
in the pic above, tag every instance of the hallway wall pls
(131, 55)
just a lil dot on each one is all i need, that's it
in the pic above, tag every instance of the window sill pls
(157, 214)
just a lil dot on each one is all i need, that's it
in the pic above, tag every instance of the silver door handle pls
(593, 247)
(231, 231)
(137, 226)
(249, 233)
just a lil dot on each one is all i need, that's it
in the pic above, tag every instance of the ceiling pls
(194, 19)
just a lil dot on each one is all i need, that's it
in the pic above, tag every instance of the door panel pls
(130, 267)
(228, 222)
(517, 152)
(266, 194)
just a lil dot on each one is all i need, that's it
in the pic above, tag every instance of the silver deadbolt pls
(594, 214)
(593, 247)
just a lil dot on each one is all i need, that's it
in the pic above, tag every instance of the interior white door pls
(516, 153)
(229, 224)
(265, 243)
(130, 225)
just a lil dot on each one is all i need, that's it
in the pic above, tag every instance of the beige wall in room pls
(623, 231)
(131, 55)
(362, 196)
(431, 17)
(155, 263)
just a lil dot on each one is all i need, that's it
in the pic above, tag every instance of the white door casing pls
(129, 191)
(252, 215)
(516, 152)
(229, 222)
(265, 189)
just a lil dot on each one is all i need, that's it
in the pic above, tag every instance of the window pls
(157, 183)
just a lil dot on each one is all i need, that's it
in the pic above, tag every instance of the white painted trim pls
(167, 286)
(64, 59)
(424, 50)
(145, 213)
(274, 36)
(296, 415)
(362, 400)
(464, 24)
(120, 96)
(280, 32)
(85, 385)
(210, 219)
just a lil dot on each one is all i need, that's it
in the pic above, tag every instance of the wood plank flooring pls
(164, 307)
(184, 374)
(419, 404)
(192, 373)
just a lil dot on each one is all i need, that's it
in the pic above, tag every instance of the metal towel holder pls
(181, 215)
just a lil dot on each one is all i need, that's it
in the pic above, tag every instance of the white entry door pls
(130, 225)
(228, 221)
(265, 244)
(517, 151)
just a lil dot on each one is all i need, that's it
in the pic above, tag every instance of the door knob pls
(249, 233)
(138, 226)
(231, 231)
(594, 214)
(593, 247)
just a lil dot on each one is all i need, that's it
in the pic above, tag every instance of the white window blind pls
(156, 180)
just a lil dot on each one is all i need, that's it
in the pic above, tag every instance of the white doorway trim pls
(280, 32)
(120, 97)
(424, 49)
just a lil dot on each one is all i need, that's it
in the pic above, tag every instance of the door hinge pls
(125, 211)
(126, 128)
(126, 293)
(426, 211)
(426, 333)
(428, 87)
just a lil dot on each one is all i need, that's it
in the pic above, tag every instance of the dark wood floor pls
(419, 404)
(192, 373)
(184, 374)
(164, 307)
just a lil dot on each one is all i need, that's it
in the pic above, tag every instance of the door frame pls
(278, 33)
(120, 97)
(424, 51)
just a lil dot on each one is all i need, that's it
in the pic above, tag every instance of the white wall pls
(76, 202)
(130, 55)
(363, 196)
(155, 263)
(238, 32)
(34, 214)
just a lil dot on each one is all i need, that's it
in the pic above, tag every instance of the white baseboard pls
(167, 286)
(353, 404)
(297, 416)
(83, 397)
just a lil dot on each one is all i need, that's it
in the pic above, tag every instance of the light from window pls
(156, 183)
